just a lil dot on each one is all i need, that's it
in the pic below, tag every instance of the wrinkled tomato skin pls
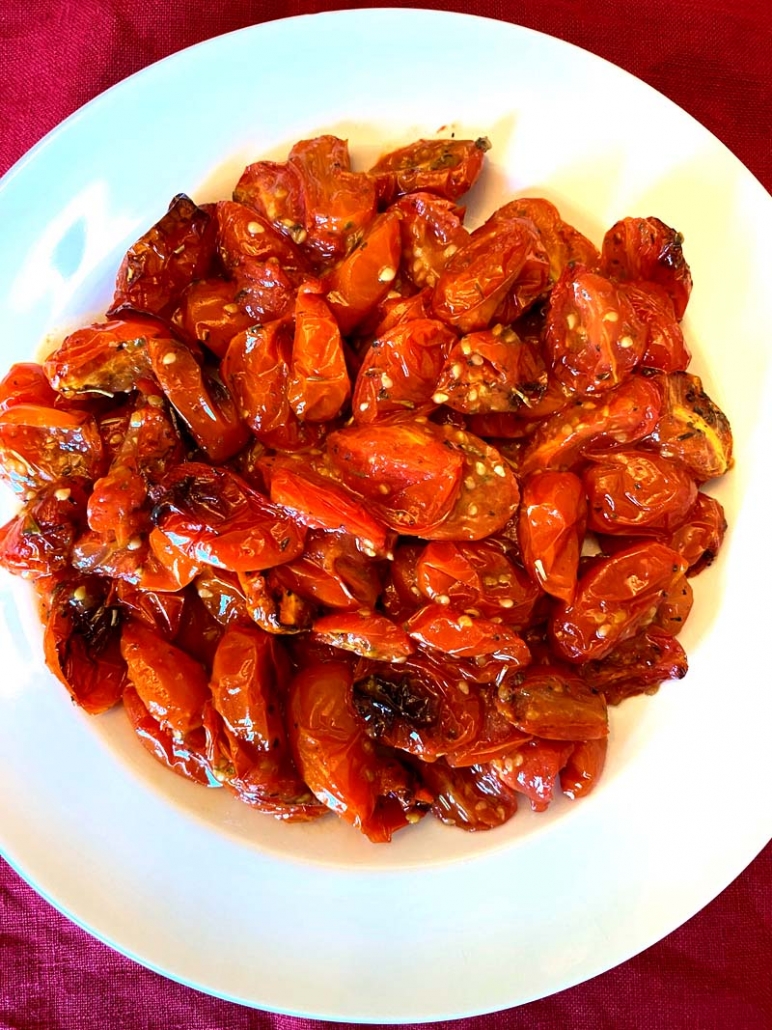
(551, 526)
(692, 430)
(700, 537)
(274, 190)
(500, 261)
(209, 312)
(38, 541)
(400, 369)
(39, 446)
(182, 757)
(256, 369)
(214, 517)
(201, 400)
(333, 572)
(636, 666)
(26, 383)
(635, 493)
(534, 768)
(622, 417)
(472, 798)
(199, 632)
(248, 244)
(580, 775)
(162, 612)
(370, 635)
(563, 243)
(616, 598)
(319, 385)
(418, 707)
(552, 702)
(168, 257)
(172, 685)
(431, 230)
(666, 348)
(108, 357)
(647, 249)
(335, 757)
(358, 283)
(593, 337)
(452, 632)
(497, 737)
(81, 643)
(446, 167)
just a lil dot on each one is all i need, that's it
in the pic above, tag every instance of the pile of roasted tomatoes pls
(356, 509)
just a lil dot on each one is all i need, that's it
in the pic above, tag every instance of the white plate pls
(313, 919)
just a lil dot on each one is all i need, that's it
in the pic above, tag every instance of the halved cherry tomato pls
(186, 757)
(336, 759)
(646, 248)
(106, 357)
(274, 189)
(692, 429)
(333, 572)
(564, 244)
(26, 383)
(172, 685)
(432, 230)
(551, 526)
(247, 242)
(665, 346)
(555, 703)
(447, 167)
(700, 537)
(593, 337)
(256, 371)
(614, 600)
(222, 595)
(636, 666)
(38, 541)
(497, 736)
(358, 283)
(473, 798)
(444, 629)
(367, 633)
(156, 269)
(318, 385)
(275, 607)
(214, 517)
(533, 769)
(161, 611)
(210, 312)
(580, 775)
(43, 445)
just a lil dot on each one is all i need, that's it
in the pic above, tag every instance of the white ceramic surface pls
(313, 919)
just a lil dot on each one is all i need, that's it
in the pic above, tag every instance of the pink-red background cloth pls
(714, 58)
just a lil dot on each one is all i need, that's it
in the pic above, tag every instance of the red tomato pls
(646, 248)
(447, 167)
(502, 260)
(320, 502)
(633, 492)
(432, 231)
(551, 526)
(471, 798)
(41, 445)
(497, 737)
(201, 400)
(700, 537)
(81, 643)
(248, 244)
(210, 312)
(636, 666)
(398, 309)
(332, 572)
(274, 189)
(581, 773)
(564, 244)
(116, 506)
(172, 685)
(477, 576)
(675, 606)
(256, 370)
(221, 594)
(199, 632)
(491, 371)
(400, 369)
(420, 706)
(365, 633)
(338, 204)
(444, 629)
(358, 283)
(181, 756)
(533, 769)
(692, 429)
(275, 607)
(593, 337)
(162, 612)
(107, 357)
(403, 469)
(665, 348)
(555, 703)
(214, 517)
(614, 600)
(336, 759)
(166, 567)
(319, 385)
(38, 541)
(621, 417)
(26, 383)
(178, 249)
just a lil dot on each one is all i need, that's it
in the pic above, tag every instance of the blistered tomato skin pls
(356, 510)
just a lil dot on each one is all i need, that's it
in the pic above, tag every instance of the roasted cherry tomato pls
(81, 643)
(473, 798)
(441, 628)
(647, 249)
(178, 249)
(581, 773)
(161, 611)
(593, 337)
(186, 757)
(39, 446)
(551, 526)
(332, 572)
(172, 685)
(38, 541)
(339, 762)
(665, 345)
(26, 383)
(400, 369)
(700, 537)
(491, 371)
(497, 736)
(692, 429)
(256, 370)
(222, 595)
(614, 600)
(214, 517)
(318, 385)
(274, 606)
(209, 312)
(636, 666)
(534, 768)
(365, 633)
(564, 244)
(555, 703)
(274, 189)
(447, 167)
(107, 357)
(432, 230)
(358, 284)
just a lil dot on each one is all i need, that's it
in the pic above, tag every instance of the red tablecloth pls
(713, 58)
